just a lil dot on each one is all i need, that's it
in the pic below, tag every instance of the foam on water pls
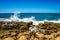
(31, 19)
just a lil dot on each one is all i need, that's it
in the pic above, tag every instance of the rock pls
(21, 31)
(40, 36)
(27, 32)
(1, 39)
(19, 35)
(35, 38)
(58, 33)
(32, 37)
(58, 38)
(22, 38)
(8, 38)
(13, 33)
(47, 37)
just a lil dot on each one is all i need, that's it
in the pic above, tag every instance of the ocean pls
(38, 16)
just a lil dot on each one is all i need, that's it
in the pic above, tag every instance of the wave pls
(30, 19)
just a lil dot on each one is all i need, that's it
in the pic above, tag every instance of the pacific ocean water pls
(38, 16)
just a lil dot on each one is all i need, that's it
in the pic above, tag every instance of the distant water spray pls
(16, 13)
(15, 17)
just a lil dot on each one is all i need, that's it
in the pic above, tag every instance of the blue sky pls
(30, 6)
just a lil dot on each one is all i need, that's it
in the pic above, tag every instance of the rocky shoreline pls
(28, 31)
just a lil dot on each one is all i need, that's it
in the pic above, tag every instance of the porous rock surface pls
(21, 31)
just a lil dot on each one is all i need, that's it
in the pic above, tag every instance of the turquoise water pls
(38, 16)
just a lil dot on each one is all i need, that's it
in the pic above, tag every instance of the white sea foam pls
(31, 19)
(33, 29)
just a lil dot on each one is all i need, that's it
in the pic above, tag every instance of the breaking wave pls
(15, 18)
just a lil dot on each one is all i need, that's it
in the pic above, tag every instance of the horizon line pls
(30, 12)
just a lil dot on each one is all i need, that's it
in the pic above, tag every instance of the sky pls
(30, 6)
